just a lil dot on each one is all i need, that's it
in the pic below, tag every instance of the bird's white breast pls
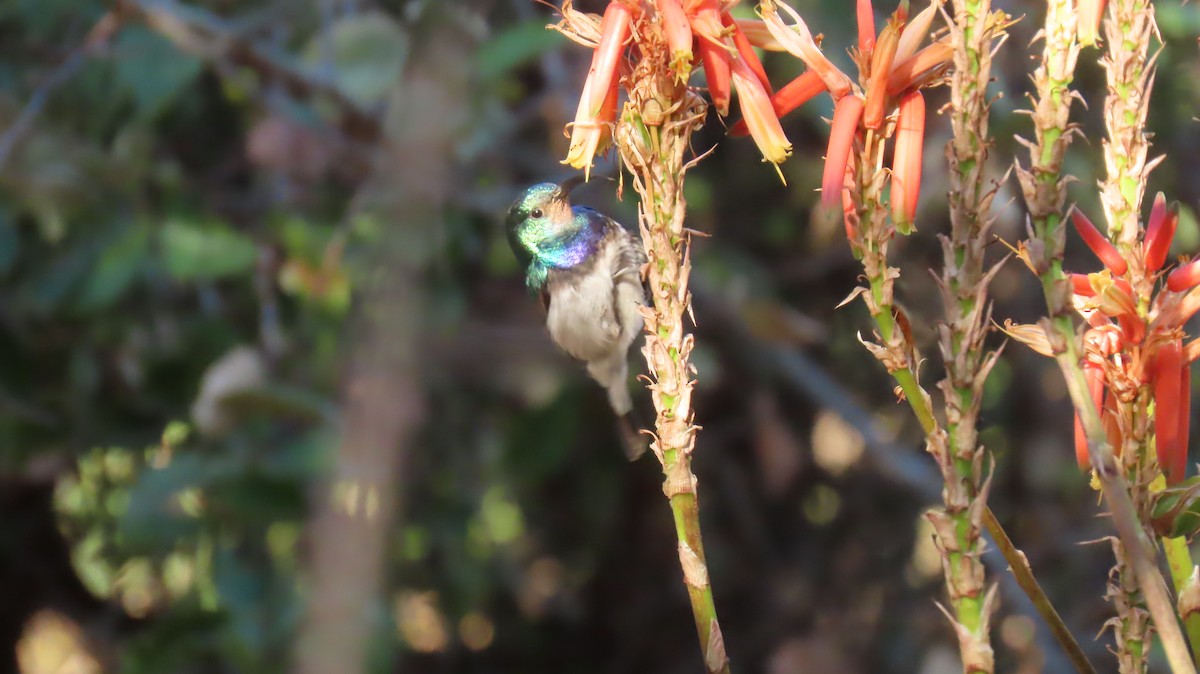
(581, 319)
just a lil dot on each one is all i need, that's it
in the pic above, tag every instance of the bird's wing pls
(629, 292)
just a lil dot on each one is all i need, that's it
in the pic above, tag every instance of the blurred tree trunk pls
(356, 511)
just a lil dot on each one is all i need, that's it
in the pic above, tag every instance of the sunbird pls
(586, 267)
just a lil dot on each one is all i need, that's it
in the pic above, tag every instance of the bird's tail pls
(633, 441)
(613, 374)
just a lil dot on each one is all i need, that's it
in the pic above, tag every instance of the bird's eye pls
(537, 213)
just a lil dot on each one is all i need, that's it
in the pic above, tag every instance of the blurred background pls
(273, 396)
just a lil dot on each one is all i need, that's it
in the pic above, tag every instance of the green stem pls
(686, 512)
(1179, 561)
(1017, 563)
(905, 378)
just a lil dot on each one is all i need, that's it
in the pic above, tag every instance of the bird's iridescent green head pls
(544, 231)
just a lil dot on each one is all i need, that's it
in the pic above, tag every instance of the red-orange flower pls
(597, 110)
(892, 70)
(1131, 344)
(693, 31)
(1088, 17)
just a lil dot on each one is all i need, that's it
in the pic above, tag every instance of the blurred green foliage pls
(181, 257)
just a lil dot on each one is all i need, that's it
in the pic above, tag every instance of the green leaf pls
(151, 69)
(193, 252)
(365, 52)
(514, 47)
(118, 267)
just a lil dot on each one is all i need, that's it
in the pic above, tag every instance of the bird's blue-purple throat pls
(546, 232)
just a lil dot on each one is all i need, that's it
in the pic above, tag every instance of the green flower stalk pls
(1042, 183)
(1136, 587)
(652, 134)
(877, 203)
(974, 33)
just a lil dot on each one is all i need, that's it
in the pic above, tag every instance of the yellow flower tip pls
(586, 140)
(681, 65)
(1114, 297)
(759, 114)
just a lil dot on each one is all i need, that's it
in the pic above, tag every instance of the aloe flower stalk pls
(974, 34)
(1124, 350)
(652, 134)
(893, 68)
(1128, 28)
(1101, 430)
(1131, 358)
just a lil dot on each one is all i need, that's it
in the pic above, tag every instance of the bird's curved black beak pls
(565, 187)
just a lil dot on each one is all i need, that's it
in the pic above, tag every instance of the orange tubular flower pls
(1088, 27)
(1159, 233)
(725, 46)
(849, 217)
(759, 115)
(866, 28)
(1185, 277)
(679, 36)
(759, 35)
(793, 94)
(1099, 244)
(717, 71)
(1145, 345)
(1082, 285)
(846, 114)
(598, 103)
(1095, 381)
(906, 161)
(705, 19)
(730, 52)
(797, 40)
(891, 68)
(920, 68)
(1185, 416)
(745, 51)
(1167, 378)
(915, 31)
(881, 64)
